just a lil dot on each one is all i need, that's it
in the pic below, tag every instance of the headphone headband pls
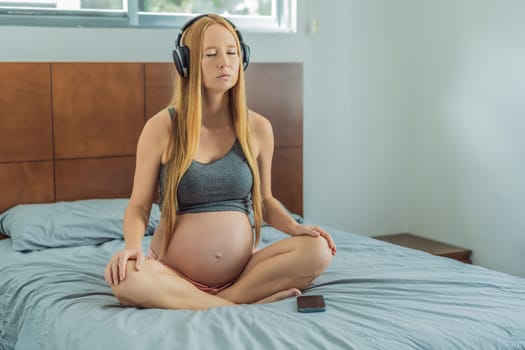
(181, 53)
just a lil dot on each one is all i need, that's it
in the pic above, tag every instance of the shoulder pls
(156, 132)
(262, 133)
(160, 124)
(260, 125)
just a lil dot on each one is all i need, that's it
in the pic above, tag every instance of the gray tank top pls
(222, 185)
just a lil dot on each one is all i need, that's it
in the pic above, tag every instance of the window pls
(250, 15)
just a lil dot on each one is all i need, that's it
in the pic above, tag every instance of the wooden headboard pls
(69, 130)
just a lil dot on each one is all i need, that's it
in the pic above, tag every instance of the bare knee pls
(316, 253)
(127, 290)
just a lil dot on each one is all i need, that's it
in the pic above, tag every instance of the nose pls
(224, 60)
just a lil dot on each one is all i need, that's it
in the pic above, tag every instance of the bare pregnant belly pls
(211, 248)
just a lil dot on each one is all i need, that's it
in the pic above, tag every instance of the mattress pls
(378, 296)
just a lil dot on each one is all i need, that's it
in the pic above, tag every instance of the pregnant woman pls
(212, 158)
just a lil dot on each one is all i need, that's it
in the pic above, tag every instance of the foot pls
(283, 294)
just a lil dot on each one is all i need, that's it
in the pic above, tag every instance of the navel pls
(218, 255)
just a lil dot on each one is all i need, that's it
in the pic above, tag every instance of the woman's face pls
(220, 59)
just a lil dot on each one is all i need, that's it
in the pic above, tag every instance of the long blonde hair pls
(184, 138)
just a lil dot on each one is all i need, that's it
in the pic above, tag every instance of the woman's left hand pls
(315, 231)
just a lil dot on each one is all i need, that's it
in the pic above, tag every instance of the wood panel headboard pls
(68, 131)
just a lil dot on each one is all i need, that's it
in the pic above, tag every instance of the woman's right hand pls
(116, 268)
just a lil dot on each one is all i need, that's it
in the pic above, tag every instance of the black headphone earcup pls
(245, 55)
(181, 59)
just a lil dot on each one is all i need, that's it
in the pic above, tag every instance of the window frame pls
(284, 20)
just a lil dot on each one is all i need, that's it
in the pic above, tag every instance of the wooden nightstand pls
(428, 245)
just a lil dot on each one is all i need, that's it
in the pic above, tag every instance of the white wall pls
(354, 133)
(125, 45)
(467, 123)
(411, 112)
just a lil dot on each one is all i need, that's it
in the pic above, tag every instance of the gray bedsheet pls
(378, 296)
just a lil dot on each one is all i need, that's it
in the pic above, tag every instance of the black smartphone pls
(311, 303)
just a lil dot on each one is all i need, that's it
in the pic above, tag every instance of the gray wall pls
(413, 112)
(466, 126)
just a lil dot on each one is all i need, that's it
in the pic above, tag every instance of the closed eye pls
(214, 53)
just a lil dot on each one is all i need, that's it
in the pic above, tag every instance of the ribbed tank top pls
(222, 185)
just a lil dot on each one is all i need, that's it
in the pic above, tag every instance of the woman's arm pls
(150, 148)
(275, 214)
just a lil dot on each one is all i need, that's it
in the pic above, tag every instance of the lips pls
(224, 75)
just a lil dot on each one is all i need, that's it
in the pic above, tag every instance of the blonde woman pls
(212, 158)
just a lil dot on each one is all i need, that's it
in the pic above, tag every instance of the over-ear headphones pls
(181, 54)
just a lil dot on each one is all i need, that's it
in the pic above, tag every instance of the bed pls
(64, 190)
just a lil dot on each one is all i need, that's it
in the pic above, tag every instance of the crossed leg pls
(281, 269)
(273, 273)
